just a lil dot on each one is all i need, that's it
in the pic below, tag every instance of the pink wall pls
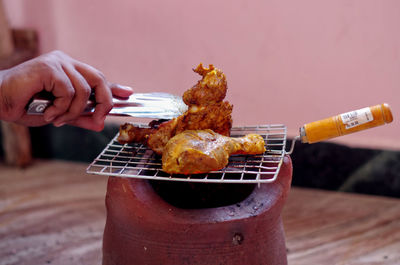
(288, 63)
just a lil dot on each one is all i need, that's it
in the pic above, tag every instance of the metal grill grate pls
(137, 161)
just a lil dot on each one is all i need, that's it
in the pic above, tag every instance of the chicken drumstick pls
(202, 151)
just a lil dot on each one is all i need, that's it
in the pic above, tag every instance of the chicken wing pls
(206, 110)
(202, 151)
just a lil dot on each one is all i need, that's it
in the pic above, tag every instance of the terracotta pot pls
(150, 223)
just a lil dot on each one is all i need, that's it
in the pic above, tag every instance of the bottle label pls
(357, 117)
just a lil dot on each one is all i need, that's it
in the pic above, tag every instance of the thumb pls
(121, 91)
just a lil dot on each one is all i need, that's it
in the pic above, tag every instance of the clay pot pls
(168, 223)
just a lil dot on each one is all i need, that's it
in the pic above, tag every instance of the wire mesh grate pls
(135, 160)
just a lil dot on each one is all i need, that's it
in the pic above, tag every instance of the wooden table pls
(54, 213)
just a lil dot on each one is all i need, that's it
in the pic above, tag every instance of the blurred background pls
(289, 62)
(286, 62)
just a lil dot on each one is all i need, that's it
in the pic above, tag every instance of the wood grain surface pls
(51, 213)
(54, 213)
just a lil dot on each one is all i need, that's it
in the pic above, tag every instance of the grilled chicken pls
(206, 110)
(202, 151)
(209, 90)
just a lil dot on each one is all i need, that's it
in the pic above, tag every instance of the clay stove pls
(156, 221)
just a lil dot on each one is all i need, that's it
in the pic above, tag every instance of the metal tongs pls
(158, 105)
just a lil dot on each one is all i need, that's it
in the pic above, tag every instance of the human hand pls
(70, 81)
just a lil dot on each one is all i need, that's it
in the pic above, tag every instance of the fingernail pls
(126, 87)
(59, 124)
(49, 119)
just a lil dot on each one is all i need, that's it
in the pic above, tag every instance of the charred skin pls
(206, 110)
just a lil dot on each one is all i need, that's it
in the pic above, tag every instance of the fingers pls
(31, 120)
(88, 122)
(71, 83)
(80, 97)
(61, 87)
(102, 91)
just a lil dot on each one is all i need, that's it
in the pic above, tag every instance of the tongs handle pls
(346, 123)
(44, 99)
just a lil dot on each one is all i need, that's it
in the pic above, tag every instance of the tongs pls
(158, 105)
